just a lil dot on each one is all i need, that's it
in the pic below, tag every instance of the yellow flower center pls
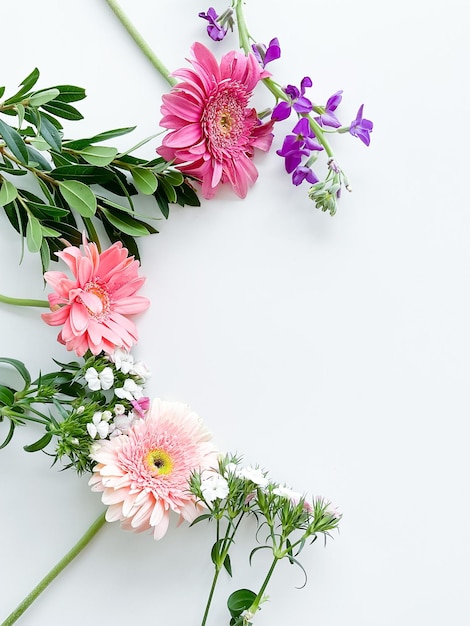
(159, 462)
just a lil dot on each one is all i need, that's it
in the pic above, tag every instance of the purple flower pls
(304, 133)
(297, 101)
(214, 29)
(302, 173)
(266, 55)
(328, 118)
(360, 127)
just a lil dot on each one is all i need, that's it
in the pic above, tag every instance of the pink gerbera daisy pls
(144, 475)
(213, 131)
(94, 306)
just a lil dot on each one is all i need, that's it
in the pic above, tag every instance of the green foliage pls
(75, 179)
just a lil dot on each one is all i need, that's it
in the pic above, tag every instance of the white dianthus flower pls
(213, 487)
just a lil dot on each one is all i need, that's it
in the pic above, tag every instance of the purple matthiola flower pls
(298, 101)
(266, 55)
(361, 127)
(214, 29)
(302, 173)
(297, 146)
(328, 118)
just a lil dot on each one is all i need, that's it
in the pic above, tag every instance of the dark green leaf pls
(27, 84)
(200, 518)
(2, 91)
(39, 444)
(63, 110)
(41, 210)
(168, 189)
(228, 565)
(125, 223)
(50, 133)
(186, 195)
(14, 142)
(7, 397)
(88, 174)
(20, 368)
(63, 158)
(9, 435)
(240, 601)
(45, 254)
(70, 93)
(78, 144)
(162, 202)
(37, 160)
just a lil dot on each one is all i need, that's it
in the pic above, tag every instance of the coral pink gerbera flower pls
(213, 131)
(144, 475)
(94, 306)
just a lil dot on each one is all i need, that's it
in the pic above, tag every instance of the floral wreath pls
(150, 459)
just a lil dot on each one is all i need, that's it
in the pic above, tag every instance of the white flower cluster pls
(111, 424)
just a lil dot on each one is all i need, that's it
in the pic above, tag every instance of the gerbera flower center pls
(224, 116)
(100, 292)
(159, 462)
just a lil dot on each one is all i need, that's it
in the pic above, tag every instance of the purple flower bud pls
(215, 31)
(328, 118)
(266, 55)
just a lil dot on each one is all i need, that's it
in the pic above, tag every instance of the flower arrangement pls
(153, 459)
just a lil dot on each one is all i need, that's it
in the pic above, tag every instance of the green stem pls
(254, 607)
(140, 41)
(24, 302)
(211, 593)
(55, 571)
(243, 34)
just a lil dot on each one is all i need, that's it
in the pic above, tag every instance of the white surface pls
(333, 351)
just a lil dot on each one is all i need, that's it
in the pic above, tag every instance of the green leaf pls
(7, 396)
(174, 178)
(39, 444)
(45, 254)
(228, 565)
(240, 601)
(39, 98)
(50, 133)
(14, 142)
(162, 203)
(33, 234)
(9, 436)
(145, 180)
(41, 210)
(89, 174)
(125, 223)
(49, 232)
(169, 190)
(62, 109)
(20, 368)
(21, 113)
(70, 93)
(98, 155)
(2, 91)
(8, 192)
(37, 160)
(27, 84)
(79, 196)
(78, 144)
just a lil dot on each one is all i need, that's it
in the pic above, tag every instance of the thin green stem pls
(140, 41)
(243, 34)
(254, 607)
(55, 571)
(24, 302)
(211, 593)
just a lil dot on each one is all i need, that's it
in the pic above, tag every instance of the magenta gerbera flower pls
(95, 305)
(213, 130)
(144, 475)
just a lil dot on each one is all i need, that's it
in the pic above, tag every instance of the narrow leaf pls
(14, 142)
(126, 224)
(9, 435)
(27, 84)
(70, 93)
(78, 144)
(62, 109)
(89, 174)
(39, 444)
(39, 98)
(50, 133)
(20, 368)
(79, 196)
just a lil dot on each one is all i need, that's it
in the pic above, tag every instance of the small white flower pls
(285, 492)
(119, 409)
(123, 422)
(123, 360)
(141, 370)
(99, 425)
(255, 475)
(213, 487)
(74, 441)
(80, 410)
(130, 390)
(99, 380)
(231, 468)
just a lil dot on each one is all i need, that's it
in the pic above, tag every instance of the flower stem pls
(243, 34)
(254, 607)
(211, 593)
(24, 302)
(140, 41)
(55, 571)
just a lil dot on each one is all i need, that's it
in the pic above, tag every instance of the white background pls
(332, 351)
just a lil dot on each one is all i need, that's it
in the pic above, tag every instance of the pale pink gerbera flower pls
(214, 132)
(144, 475)
(94, 306)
